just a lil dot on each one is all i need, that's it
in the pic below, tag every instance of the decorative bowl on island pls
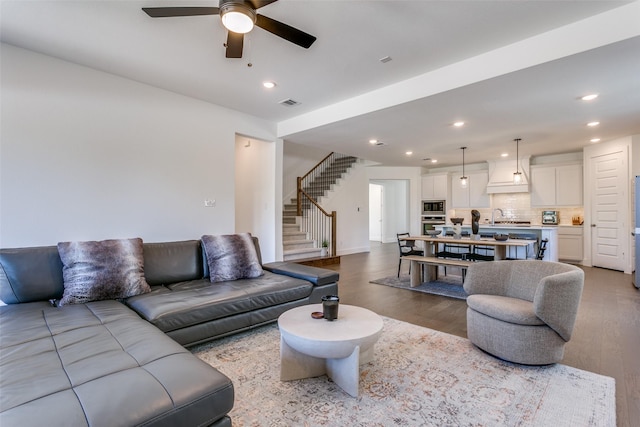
(500, 237)
(457, 221)
(433, 232)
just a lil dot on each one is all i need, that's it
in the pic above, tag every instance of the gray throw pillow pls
(108, 269)
(231, 257)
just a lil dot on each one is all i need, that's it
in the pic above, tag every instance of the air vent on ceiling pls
(385, 59)
(379, 144)
(289, 102)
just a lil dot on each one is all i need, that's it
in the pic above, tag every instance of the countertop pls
(503, 226)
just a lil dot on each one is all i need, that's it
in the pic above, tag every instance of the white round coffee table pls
(312, 347)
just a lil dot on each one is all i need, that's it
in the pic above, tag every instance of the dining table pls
(426, 266)
(500, 246)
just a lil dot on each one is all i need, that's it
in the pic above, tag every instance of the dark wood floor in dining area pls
(606, 338)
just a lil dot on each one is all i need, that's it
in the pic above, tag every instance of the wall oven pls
(433, 207)
(428, 222)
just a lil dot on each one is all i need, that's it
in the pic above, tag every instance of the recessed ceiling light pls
(594, 140)
(504, 155)
(373, 141)
(269, 85)
(589, 97)
(458, 124)
(434, 160)
(592, 124)
(408, 153)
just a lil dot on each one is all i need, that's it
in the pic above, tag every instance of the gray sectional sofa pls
(123, 362)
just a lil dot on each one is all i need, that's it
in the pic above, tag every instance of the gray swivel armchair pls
(522, 311)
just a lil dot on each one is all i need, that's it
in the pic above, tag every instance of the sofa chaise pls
(123, 362)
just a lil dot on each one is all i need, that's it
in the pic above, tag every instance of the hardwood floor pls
(606, 338)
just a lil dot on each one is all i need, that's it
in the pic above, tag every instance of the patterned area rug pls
(419, 377)
(448, 286)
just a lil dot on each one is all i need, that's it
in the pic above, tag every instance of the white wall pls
(350, 200)
(297, 161)
(87, 155)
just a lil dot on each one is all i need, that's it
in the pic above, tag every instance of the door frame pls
(624, 145)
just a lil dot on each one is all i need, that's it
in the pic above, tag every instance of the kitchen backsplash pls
(516, 206)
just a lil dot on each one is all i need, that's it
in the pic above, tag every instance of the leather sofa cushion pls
(315, 275)
(172, 262)
(190, 303)
(507, 309)
(100, 364)
(20, 282)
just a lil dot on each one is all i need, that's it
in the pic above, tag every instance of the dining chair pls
(407, 247)
(541, 248)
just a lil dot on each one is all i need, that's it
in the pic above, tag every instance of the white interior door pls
(375, 212)
(609, 210)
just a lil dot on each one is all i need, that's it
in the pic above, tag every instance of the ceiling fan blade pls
(235, 41)
(257, 4)
(285, 31)
(166, 12)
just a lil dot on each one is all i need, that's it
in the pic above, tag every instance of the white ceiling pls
(507, 68)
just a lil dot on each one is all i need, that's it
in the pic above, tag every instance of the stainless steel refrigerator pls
(636, 276)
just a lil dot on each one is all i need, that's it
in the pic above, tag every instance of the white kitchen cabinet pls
(551, 234)
(435, 187)
(556, 185)
(475, 195)
(570, 243)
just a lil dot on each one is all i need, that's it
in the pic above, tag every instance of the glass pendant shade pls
(517, 178)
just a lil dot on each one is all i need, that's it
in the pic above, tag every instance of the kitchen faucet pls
(493, 222)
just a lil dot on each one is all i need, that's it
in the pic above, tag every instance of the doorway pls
(388, 209)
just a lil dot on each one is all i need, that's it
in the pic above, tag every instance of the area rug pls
(419, 377)
(448, 286)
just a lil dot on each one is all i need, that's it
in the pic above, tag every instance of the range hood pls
(501, 176)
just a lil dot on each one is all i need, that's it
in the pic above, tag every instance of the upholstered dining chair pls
(407, 247)
(522, 311)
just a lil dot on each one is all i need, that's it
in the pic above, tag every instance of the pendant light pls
(464, 181)
(517, 175)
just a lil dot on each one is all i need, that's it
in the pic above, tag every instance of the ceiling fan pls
(239, 17)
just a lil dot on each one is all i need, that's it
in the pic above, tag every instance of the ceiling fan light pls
(237, 17)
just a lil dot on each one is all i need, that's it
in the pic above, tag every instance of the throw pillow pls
(109, 269)
(231, 257)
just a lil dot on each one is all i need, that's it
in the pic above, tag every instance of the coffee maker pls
(550, 217)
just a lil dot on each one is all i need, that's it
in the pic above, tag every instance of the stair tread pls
(301, 251)
(297, 242)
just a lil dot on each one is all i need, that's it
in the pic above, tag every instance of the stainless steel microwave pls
(433, 207)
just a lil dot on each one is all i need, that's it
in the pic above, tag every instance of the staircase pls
(296, 243)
